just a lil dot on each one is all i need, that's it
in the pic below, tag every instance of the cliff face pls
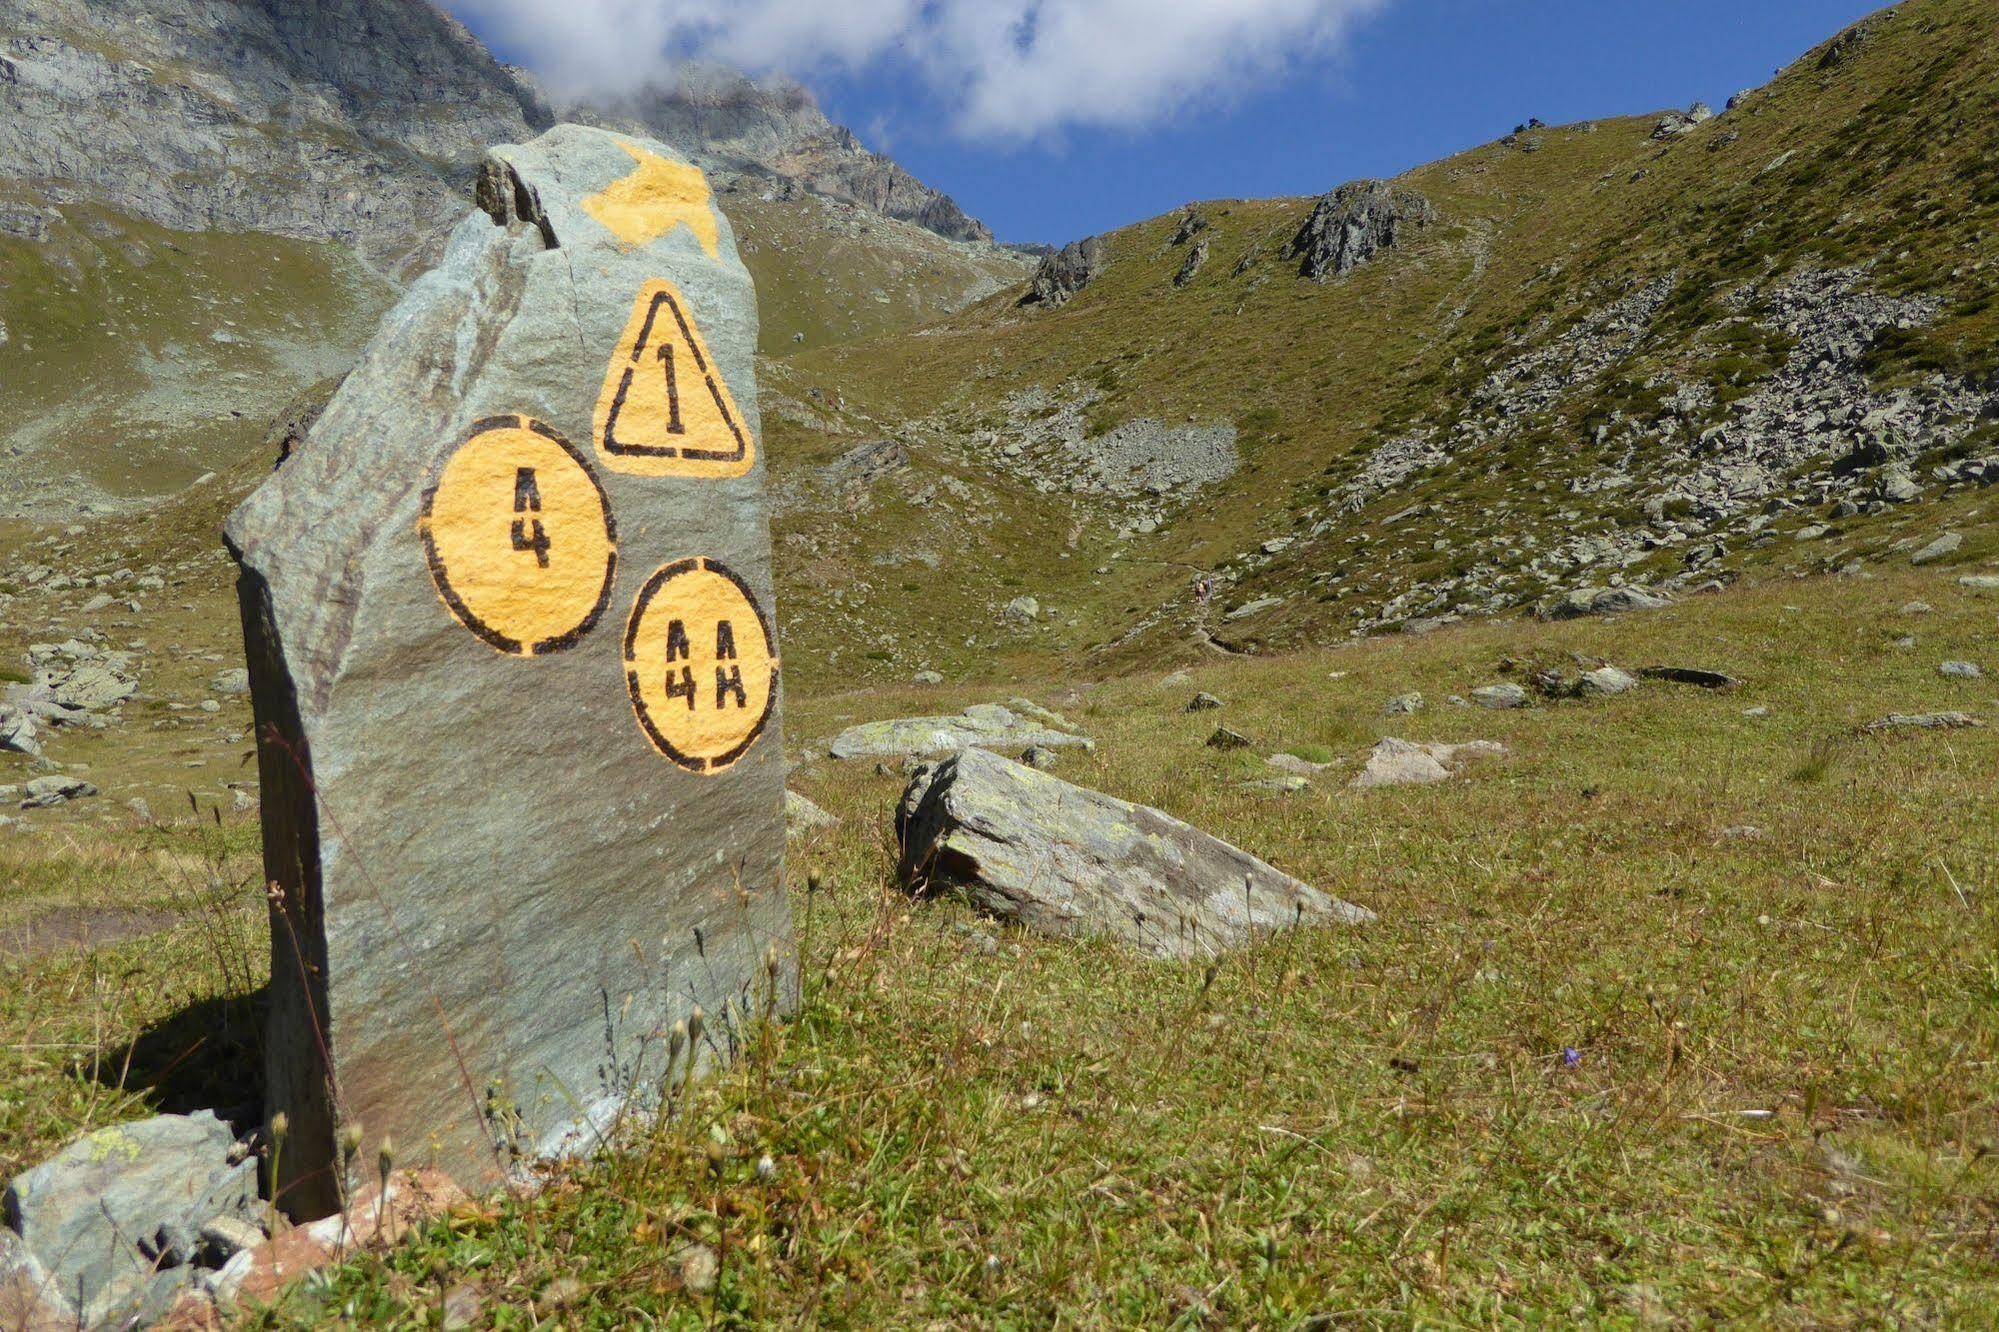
(348, 120)
(351, 120)
(736, 125)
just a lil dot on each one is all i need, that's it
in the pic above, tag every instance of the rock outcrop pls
(1067, 271)
(1065, 861)
(1353, 224)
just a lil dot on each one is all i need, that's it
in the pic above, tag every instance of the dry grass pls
(1607, 1057)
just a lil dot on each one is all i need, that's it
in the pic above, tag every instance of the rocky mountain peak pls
(351, 120)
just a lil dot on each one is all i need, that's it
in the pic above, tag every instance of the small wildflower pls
(766, 1168)
(1571, 1057)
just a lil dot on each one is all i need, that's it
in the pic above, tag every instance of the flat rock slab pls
(1691, 675)
(508, 611)
(1065, 861)
(113, 1215)
(982, 726)
(1922, 721)
(1395, 762)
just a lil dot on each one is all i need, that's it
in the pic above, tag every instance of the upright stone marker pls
(508, 614)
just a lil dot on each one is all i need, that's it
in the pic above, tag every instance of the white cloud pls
(1004, 69)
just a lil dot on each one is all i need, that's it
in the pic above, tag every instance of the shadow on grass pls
(207, 1056)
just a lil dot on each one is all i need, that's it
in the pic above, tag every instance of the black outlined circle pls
(440, 571)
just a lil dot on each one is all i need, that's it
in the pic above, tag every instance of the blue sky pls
(1297, 95)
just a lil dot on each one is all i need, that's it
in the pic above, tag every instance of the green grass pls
(1780, 1111)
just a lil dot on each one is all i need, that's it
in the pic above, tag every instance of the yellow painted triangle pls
(654, 199)
(665, 409)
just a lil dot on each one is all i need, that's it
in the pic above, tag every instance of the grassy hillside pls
(138, 358)
(1869, 158)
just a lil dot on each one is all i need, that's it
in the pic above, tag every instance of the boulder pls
(1065, 861)
(982, 726)
(1021, 612)
(1942, 548)
(508, 616)
(1980, 582)
(116, 1217)
(1395, 762)
(1203, 702)
(1224, 739)
(1690, 675)
(1403, 705)
(1605, 682)
(801, 816)
(234, 681)
(44, 792)
(20, 733)
(1961, 670)
(1500, 697)
(1585, 601)
(1923, 721)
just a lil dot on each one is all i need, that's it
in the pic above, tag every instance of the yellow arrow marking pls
(653, 200)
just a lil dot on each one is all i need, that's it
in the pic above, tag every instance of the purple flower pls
(1571, 1057)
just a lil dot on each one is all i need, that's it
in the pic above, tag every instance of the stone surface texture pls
(1066, 861)
(1394, 762)
(115, 1218)
(494, 893)
(983, 726)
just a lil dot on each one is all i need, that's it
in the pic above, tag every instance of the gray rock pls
(1289, 783)
(110, 1211)
(494, 573)
(1961, 670)
(927, 678)
(1690, 675)
(29, 1298)
(43, 792)
(1295, 766)
(1606, 682)
(1224, 739)
(801, 816)
(1403, 705)
(1585, 601)
(1980, 582)
(984, 726)
(20, 733)
(1898, 487)
(1021, 612)
(224, 1237)
(1923, 721)
(96, 603)
(1203, 702)
(1500, 696)
(1915, 608)
(1067, 271)
(1041, 758)
(1065, 861)
(1196, 257)
(235, 681)
(1943, 547)
(1353, 224)
(1257, 607)
(1394, 762)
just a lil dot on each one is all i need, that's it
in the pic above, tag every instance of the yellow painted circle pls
(520, 538)
(700, 665)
